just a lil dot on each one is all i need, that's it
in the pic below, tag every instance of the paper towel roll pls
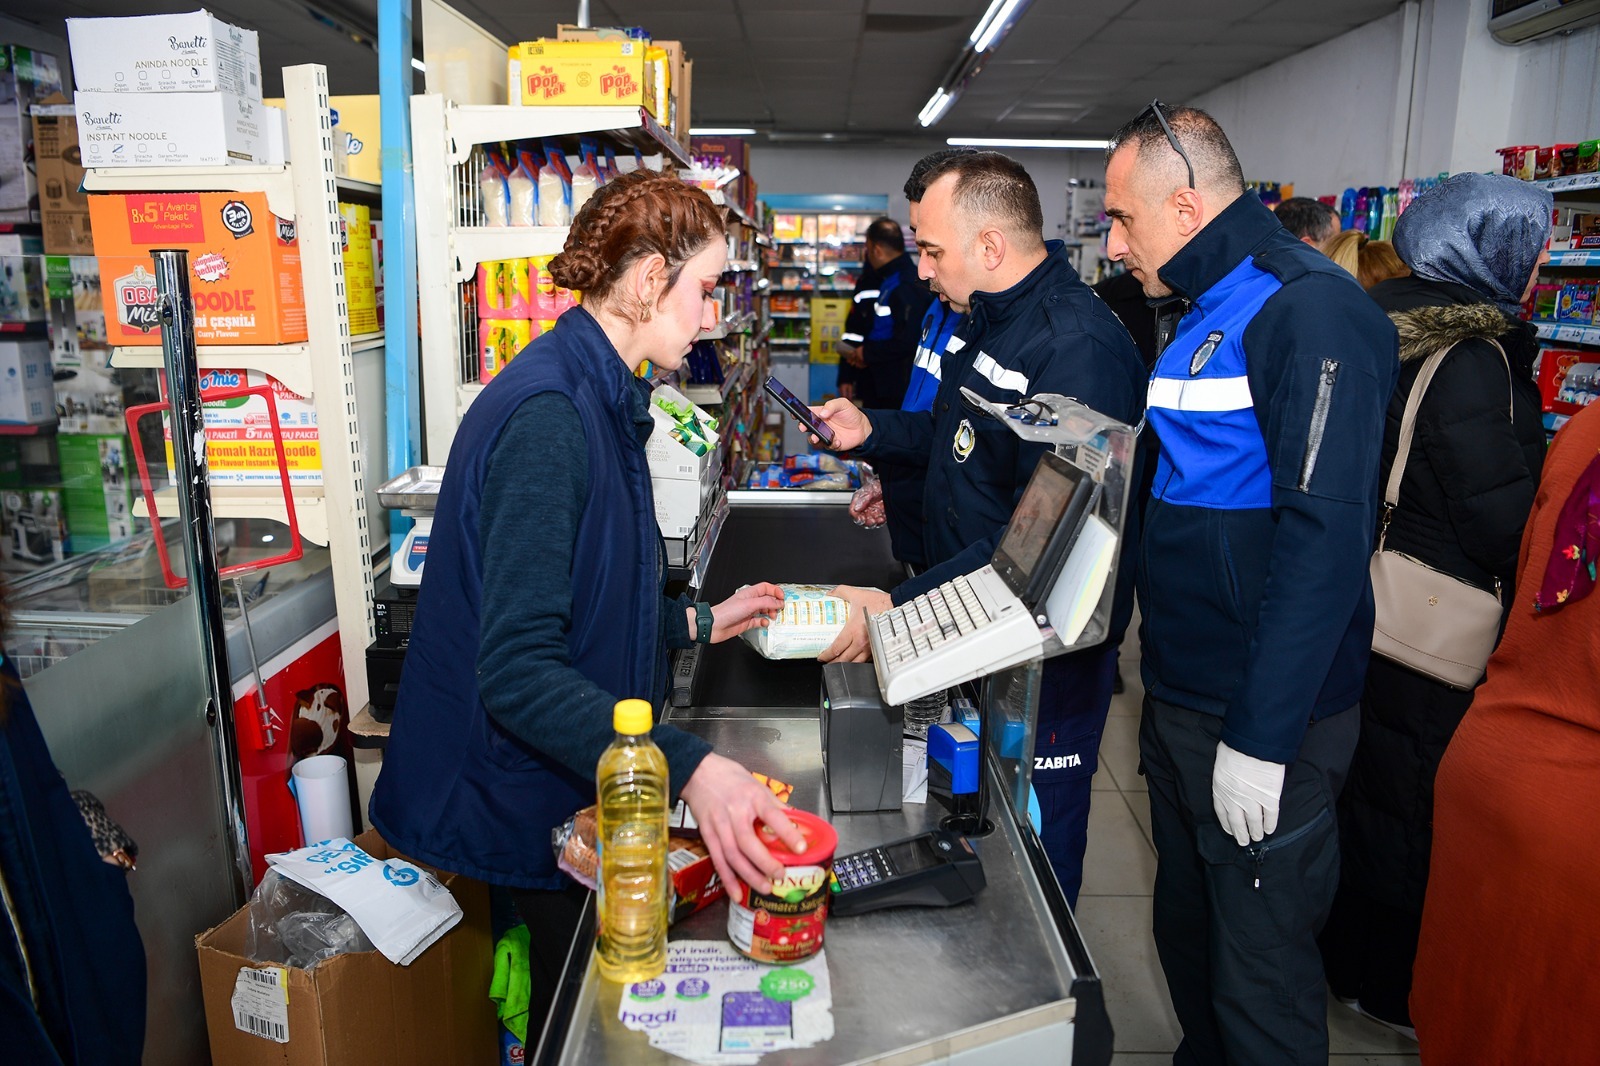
(322, 792)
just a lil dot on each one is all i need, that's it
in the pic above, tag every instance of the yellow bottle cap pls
(633, 717)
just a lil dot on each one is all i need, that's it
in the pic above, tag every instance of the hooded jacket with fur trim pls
(1479, 442)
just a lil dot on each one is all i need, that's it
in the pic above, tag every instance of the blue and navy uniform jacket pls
(897, 314)
(1269, 407)
(939, 327)
(1047, 333)
(458, 790)
(858, 320)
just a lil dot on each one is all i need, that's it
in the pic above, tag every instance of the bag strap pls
(1408, 427)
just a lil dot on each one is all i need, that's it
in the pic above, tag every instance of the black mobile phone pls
(800, 411)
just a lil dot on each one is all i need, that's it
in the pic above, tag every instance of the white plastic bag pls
(401, 908)
(811, 620)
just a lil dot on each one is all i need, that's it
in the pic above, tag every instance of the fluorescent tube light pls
(722, 131)
(1023, 142)
(934, 109)
(995, 22)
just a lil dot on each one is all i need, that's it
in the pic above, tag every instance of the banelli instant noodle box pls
(244, 266)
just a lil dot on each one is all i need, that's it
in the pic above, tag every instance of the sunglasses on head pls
(1155, 107)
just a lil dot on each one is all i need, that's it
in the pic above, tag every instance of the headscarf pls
(1484, 231)
(1570, 573)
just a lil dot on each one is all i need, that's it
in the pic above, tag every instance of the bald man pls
(1268, 404)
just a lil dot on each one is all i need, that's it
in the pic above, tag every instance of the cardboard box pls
(97, 488)
(240, 449)
(362, 129)
(171, 129)
(23, 294)
(27, 383)
(360, 268)
(578, 73)
(679, 502)
(63, 205)
(26, 78)
(244, 266)
(359, 1008)
(680, 74)
(35, 525)
(189, 53)
(669, 458)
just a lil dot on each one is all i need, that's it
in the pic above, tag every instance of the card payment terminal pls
(937, 869)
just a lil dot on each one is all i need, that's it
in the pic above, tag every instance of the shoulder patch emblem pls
(1202, 355)
(965, 439)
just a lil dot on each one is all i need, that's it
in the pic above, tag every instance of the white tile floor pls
(1114, 910)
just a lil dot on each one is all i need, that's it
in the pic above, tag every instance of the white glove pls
(1245, 792)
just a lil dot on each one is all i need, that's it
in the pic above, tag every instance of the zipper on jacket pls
(1319, 421)
(1259, 852)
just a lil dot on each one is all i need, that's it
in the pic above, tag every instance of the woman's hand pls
(853, 645)
(849, 423)
(748, 608)
(727, 802)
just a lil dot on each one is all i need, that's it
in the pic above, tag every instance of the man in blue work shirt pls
(1033, 327)
(1257, 609)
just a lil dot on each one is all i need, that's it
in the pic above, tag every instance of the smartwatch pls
(703, 623)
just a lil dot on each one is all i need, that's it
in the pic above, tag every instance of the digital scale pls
(414, 494)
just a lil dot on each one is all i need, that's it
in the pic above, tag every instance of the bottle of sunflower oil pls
(631, 944)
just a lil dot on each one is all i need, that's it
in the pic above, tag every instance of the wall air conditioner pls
(1518, 21)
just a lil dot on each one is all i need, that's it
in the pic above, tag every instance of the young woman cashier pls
(543, 599)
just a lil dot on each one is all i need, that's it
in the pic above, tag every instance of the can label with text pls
(786, 924)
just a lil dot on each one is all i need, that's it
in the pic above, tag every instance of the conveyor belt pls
(818, 545)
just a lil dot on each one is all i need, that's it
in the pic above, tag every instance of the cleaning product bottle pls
(631, 940)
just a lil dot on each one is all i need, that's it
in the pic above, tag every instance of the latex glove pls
(1245, 792)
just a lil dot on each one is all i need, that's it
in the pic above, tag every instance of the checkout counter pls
(1003, 978)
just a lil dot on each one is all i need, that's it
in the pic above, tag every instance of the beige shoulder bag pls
(1428, 620)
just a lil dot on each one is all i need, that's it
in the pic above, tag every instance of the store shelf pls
(369, 190)
(465, 394)
(1587, 257)
(471, 245)
(1571, 183)
(289, 363)
(789, 341)
(467, 126)
(27, 429)
(366, 731)
(276, 181)
(739, 323)
(24, 327)
(1567, 332)
(716, 395)
(720, 198)
(741, 266)
(804, 315)
(262, 502)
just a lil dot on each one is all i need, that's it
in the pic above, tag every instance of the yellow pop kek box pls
(578, 73)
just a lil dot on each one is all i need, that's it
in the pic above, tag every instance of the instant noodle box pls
(240, 449)
(244, 266)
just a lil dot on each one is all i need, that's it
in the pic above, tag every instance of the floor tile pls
(1119, 752)
(1102, 781)
(1117, 931)
(1119, 860)
(1350, 1033)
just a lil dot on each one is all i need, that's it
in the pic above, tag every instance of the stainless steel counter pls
(1003, 979)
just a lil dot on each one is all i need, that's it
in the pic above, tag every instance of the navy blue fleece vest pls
(457, 790)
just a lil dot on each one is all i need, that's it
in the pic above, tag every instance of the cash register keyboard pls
(965, 628)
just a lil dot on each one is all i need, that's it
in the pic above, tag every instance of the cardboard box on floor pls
(361, 1008)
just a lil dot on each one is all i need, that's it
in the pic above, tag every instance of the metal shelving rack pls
(323, 369)
(451, 242)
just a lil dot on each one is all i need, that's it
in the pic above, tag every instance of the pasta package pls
(810, 621)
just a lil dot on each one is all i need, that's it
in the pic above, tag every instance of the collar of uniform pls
(1222, 245)
(990, 307)
(631, 391)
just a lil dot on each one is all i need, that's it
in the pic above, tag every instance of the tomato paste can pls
(786, 924)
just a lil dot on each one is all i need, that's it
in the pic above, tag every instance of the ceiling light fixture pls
(722, 131)
(997, 21)
(1000, 17)
(1024, 142)
(934, 109)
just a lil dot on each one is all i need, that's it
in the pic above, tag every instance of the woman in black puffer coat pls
(1474, 245)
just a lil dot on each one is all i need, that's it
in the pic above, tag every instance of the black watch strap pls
(703, 623)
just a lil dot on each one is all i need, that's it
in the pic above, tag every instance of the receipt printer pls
(861, 741)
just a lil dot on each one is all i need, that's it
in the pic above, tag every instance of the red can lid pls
(822, 840)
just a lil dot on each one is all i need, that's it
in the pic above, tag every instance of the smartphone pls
(800, 411)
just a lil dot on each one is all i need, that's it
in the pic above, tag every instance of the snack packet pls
(810, 621)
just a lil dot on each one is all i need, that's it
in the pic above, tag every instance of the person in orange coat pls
(1506, 966)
